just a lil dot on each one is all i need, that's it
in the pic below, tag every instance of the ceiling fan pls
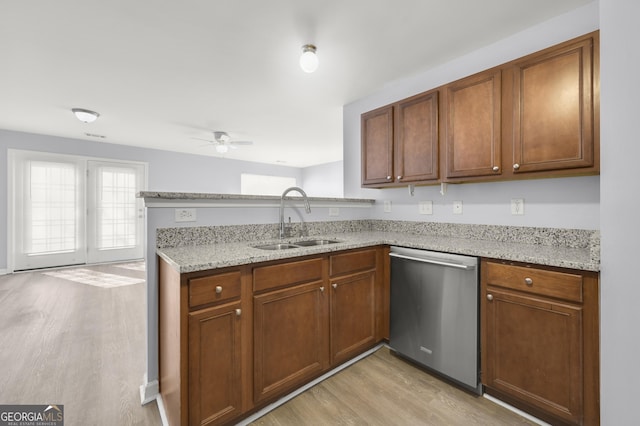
(222, 141)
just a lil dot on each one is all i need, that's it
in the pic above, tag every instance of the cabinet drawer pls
(283, 274)
(560, 285)
(214, 288)
(352, 261)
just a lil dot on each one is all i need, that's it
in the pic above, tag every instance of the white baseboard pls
(163, 413)
(149, 391)
(4, 271)
(515, 410)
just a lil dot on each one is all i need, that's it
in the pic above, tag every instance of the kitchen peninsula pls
(216, 286)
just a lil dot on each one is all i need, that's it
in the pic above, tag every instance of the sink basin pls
(315, 242)
(297, 244)
(278, 246)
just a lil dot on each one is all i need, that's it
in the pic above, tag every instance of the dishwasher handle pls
(434, 261)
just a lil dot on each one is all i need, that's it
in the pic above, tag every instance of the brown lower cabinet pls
(540, 340)
(233, 340)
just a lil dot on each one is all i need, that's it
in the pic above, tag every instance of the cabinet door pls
(553, 109)
(532, 351)
(353, 315)
(416, 141)
(290, 338)
(472, 125)
(215, 393)
(377, 146)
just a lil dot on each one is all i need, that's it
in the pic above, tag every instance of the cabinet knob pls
(238, 312)
(322, 289)
(399, 177)
(516, 166)
(388, 177)
(496, 169)
(334, 285)
(528, 281)
(489, 297)
(218, 289)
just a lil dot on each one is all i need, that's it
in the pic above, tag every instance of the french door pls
(71, 210)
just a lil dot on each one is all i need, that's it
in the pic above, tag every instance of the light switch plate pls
(334, 211)
(457, 207)
(387, 206)
(425, 207)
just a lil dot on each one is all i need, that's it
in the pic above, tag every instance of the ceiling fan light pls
(222, 149)
(85, 115)
(309, 59)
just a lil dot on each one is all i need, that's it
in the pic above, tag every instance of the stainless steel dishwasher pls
(434, 312)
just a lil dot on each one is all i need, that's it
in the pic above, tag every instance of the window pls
(70, 210)
(251, 184)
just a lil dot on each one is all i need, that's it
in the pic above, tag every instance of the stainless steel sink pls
(308, 243)
(278, 246)
(297, 244)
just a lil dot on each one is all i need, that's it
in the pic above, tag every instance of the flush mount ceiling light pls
(85, 115)
(309, 59)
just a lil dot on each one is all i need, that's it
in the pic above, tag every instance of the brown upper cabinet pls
(550, 101)
(535, 117)
(400, 142)
(377, 147)
(472, 125)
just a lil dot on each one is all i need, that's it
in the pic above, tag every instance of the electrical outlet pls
(425, 207)
(457, 207)
(517, 206)
(387, 206)
(334, 211)
(185, 215)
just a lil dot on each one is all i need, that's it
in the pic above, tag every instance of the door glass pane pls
(53, 205)
(116, 208)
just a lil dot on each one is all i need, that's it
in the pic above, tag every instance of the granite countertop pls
(202, 257)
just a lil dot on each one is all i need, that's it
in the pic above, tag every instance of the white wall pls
(564, 203)
(325, 180)
(620, 204)
(553, 203)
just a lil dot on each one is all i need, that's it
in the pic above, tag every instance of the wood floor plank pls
(383, 389)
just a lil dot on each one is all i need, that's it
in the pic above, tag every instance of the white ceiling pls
(163, 73)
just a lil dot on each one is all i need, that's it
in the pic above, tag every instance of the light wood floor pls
(385, 390)
(63, 342)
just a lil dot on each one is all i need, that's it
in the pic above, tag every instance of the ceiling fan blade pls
(206, 140)
(241, 143)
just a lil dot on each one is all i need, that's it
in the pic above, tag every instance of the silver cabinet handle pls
(218, 289)
(238, 312)
(516, 166)
(489, 297)
(334, 285)
(399, 177)
(388, 177)
(322, 289)
(496, 168)
(528, 281)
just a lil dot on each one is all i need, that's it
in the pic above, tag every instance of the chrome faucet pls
(307, 207)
